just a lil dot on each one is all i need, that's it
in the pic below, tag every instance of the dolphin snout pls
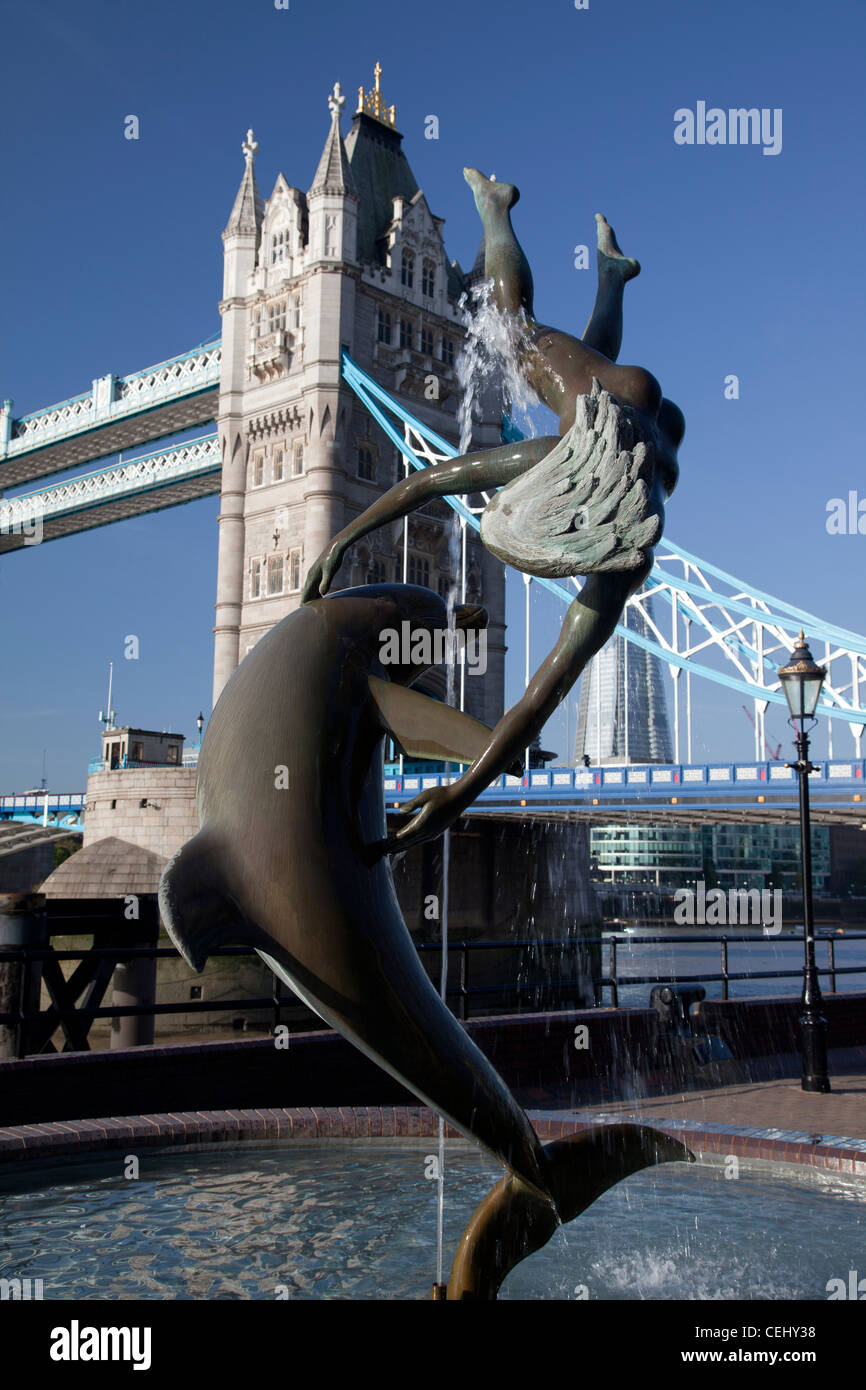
(470, 615)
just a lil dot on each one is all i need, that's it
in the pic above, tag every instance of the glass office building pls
(724, 856)
(622, 714)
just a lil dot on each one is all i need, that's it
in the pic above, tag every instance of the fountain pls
(266, 866)
(293, 859)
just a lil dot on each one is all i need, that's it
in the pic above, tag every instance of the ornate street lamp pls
(801, 681)
(199, 723)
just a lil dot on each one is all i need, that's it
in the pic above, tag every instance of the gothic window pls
(419, 570)
(448, 352)
(298, 458)
(280, 246)
(279, 462)
(256, 323)
(258, 467)
(275, 574)
(378, 573)
(384, 326)
(255, 578)
(428, 279)
(295, 569)
(296, 311)
(444, 587)
(277, 316)
(407, 269)
(365, 463)
(405, 333)
(427, 341)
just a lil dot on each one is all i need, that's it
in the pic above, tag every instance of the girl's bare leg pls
(604, 330)
(588, 624)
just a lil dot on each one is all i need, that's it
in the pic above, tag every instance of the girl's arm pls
(477, 472)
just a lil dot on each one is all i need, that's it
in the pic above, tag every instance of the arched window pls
(255, 578)
(378, 573)
(384, 326)
(295, 562)
(277, 316)
(419, 570)
(298, 458)
(279, 462)
(407, 269)
(280, 246)
(275, 574)
(365, 463)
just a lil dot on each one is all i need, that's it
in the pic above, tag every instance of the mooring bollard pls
(134, 981)
(22, 927)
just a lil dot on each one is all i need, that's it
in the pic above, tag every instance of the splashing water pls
(489, 363)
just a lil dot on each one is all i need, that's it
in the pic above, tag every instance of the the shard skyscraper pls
(622, 713)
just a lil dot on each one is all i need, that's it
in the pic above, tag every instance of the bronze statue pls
(589, 503)
(291, 860)
(293, 855)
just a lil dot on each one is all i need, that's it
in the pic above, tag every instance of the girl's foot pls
(491, 198)
(611, 261)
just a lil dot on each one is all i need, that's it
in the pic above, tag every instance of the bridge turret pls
(243, 229)
(333, 199)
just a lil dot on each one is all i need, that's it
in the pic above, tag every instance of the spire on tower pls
(247, 213)
(334, 174)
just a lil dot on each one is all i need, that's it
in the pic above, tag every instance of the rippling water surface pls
(357, 1220)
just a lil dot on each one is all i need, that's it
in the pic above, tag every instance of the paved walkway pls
(770, 1105)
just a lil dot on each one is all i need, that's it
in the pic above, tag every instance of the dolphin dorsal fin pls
(425, 728)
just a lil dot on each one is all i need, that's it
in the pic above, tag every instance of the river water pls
(680, 957)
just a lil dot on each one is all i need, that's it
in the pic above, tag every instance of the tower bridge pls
(338, 305)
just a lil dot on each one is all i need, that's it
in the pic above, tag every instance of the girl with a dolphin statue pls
(302, 873)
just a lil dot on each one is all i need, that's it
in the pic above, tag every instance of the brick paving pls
(768, 1105)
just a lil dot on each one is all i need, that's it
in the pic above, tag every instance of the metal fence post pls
(22, 927)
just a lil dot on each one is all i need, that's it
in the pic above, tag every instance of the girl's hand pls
(318, 581)
(432, 812)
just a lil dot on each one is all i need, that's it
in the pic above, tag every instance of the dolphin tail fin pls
(195, 901)
(426, 728)
(513, 1221)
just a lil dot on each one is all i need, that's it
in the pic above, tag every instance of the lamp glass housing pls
(801, 681)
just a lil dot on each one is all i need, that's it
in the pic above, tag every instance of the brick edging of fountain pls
(62, 1139)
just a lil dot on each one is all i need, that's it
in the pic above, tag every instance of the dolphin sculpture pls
(291, 856)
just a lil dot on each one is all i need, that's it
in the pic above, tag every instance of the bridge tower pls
(357, 262)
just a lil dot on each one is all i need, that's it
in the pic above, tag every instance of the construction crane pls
(774, 757)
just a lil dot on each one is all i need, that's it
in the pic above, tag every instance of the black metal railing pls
(30, 1028)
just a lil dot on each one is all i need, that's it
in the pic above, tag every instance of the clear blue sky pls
(752, 264)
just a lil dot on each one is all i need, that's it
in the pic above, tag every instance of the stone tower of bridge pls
(357, 261)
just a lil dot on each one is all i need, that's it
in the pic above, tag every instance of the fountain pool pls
(357, 1219)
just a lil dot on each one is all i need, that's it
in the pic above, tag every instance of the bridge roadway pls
(150, 483)
(118, 413)
(659, 794)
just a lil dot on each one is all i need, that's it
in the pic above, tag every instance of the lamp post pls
(199, 724)
(801, 681)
